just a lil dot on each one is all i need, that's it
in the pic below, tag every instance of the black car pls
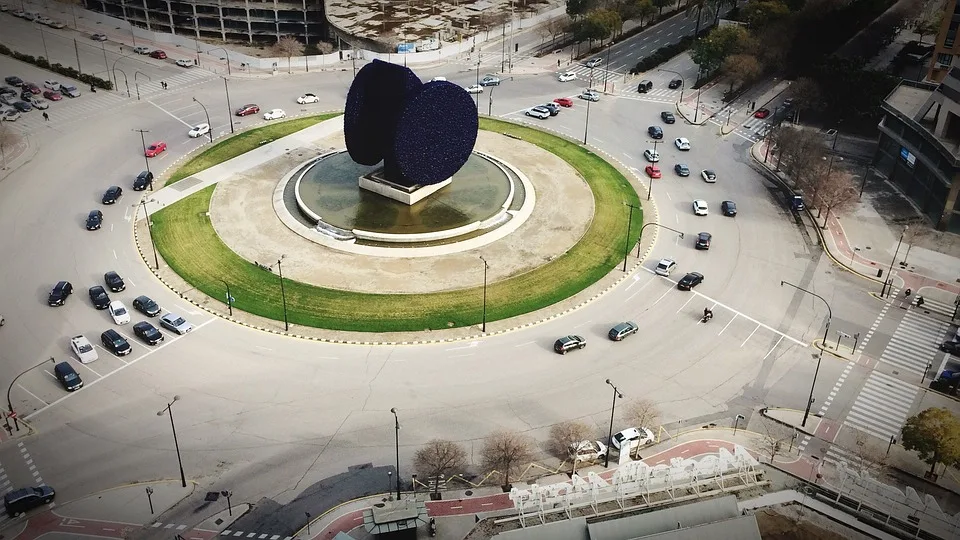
(143, 181)
(675, 83)
(114, 281)
(668, 117)
(115, 343)
(67, 376)
(94, 220)
(99, 297)
(147, 332)
(703, 240)
(655, 131)
(952, 347)
(689, 281)
(146, 305)
(552, 107)
(622, 330)
(682, 169)
(15, 81)
(60, 292)
(112, 194)
(26, 95)
(23, 106)
(728, 208)
(19, 501)
(568, 343)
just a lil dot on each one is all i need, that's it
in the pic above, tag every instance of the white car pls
(652, 155)
(52, 85)
(119, 312)
(10, 115)
(39, 103)
(568, 76)
(274, 114)
(43, 20)
(83, 349)
(183, 62)
(631, 437)
(142, 50)
(199, 130)
(665, 267)
(539, 112)
(682, 143)
(474, 89)
(588, 451)
(55, 24)
(700, 207)
(175, 323)
(708, 176)
(435, 79)
(590, 95)
(594, 62)
(308, 98)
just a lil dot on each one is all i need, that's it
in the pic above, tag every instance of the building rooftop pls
(908, 99)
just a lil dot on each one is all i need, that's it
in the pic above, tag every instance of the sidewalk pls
(862, 243)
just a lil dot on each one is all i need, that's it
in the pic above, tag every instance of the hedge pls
(66, 71)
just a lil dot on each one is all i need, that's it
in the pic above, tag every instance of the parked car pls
(155, 149)
(111, 195)
(69, 90)
(952, 347)
(474, 89)
(552, 107)
(250, 108)
(728, 208)
(147, 332)
(585, 451)
(703, 240)
(13, 80)
(653, 171)
(708, 176)
(655, 132)
(146, 305)
(569, 343)
(623, 330)
(94, 220)
(32, 88)
(143, 181)
(668, 117)
(681, 169)
(490, 80)
(589, 95)
(20, 500)
(61, 291)
(158, 54)
(55, 24)
(114, 281)
(538, 112)
(198, 130)
(682, 143)
(308, 98)
(631, 437)
(175, 323)
(23, 106)
(115, 343)
(564, 102)
(40, 103)
(83, 349)
(700, 207)
(51, 84)
(665, 267)
(99, 297)
(67, 376)
(567, 76)
(11, 115)
(689, 281)
(275, 114)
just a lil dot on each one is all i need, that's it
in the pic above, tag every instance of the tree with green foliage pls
(660, 4)
(757, 14)
(929, 21)
(603, 22)
(741, 69)
(578, 8)
(710, 51)
(698, 6)
(934, 434)
(645, 8)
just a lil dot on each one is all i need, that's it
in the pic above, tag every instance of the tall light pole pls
(885, 290)
(143, 142)
(176, 444)
(225, 52)
(486, 266)
(137, 84)
(283, 294)
(616, 394)
(13, 413)
(396, 422)
(640, 239)
(826, 330)
(146, 215)
(478, 83)
(586, 123)
(626, 241)
(682, 82)
(229, 298)
(229, 108)
(210, 130)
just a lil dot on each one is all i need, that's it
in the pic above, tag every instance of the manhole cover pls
(468, 493)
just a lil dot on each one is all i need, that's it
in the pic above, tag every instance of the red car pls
(158, 54)
(34, 89)
(761, 113)
(155, 149)
(653, 171)
(248, 109)
(52, 96)
(564, 102)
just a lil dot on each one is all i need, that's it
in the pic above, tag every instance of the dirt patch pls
(794, 522)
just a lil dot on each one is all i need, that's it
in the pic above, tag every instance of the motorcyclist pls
(707, 314)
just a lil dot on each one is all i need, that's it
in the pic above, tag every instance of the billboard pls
(406, 48)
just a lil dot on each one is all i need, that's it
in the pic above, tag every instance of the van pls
(644, 86)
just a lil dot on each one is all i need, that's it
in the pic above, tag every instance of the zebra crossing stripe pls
(882, 405)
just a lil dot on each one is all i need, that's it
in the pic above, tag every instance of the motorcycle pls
(706, 317)
(93, 89)
(433, 526)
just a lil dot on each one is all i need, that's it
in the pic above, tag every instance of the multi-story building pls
(919, 147)
(244, 21)
(947, 47)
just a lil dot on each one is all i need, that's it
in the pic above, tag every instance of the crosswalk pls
(946, 309)
(882, 406)
(752, 128)
(913, 344)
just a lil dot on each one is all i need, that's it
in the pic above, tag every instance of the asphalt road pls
(268, 416)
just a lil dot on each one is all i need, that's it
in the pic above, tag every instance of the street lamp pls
(226, 52)
(490, 104)
(396, 421)
(176, 444)
(639, 240)
(13, 413)
(478, 83)
(283, 294)
(586, 123)
(682, 82)
(143, 143)
(616, 394)
(229, 298)
(826, 330)
(885, 291)
(228, 494)
(736, 422)
(229, 108)
(126, 82)
(146, 215)
(486, 266)
(626, 241)
(136, 84)
(209, 126)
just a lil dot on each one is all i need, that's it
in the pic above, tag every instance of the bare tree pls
(773, 436)
(741, 69)
(565, 438)
(803, 151)
(917, 229)
(287, 46)
(439, 458)
(837, 192)
(929, 20)
(868, 455)
(642, 413)
(505, 451)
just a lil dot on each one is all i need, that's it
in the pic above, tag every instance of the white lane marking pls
(459, 355)
(470, 345)
(599, 141)
(668, 291)
(175, 117)
(525, 344)
(120, 358)
(728, 324)
(264, 348)
(126, 214)
(114, 251)
(751, 319)
(669, 198)
(87, 386)
(644, 286)
(91, 369)
(750, 336)
(52, 376)
(190, 311)
(583, 323)
(130, 281)
(111, 230)
(685, 303)
(35, 397)
(628, 155)
(775, 346)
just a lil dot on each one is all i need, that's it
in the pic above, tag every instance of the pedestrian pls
(558, 62)
(121, 49)
(919, 301)
(163, 85)
(46, 117)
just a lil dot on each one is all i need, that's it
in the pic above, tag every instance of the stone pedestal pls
(376, 183)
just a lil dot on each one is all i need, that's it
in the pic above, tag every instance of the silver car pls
(539, 112)
(175, 323)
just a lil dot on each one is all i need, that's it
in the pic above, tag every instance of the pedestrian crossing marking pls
(882, 405)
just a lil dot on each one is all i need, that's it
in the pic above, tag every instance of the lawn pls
(192, 248)
(242, 143)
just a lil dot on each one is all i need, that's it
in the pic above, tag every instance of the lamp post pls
(229, 298)
(607, 63)
(639, 240)
(136, 84)
(490, 103)
(126, 82)
(682, 82)
(736, 422)
(396, 422)
(486, 266)
(229, 108)
(146, 215)
(696, 112)
(626, 241)
(586, 123)
(226, 53)
(616, 394)
(885, 290)
(228, 494)
(176, 444)
(143, 142)
(478, 83)
(13, 413)
(826, 330)
(210, 130)
(283, 294)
